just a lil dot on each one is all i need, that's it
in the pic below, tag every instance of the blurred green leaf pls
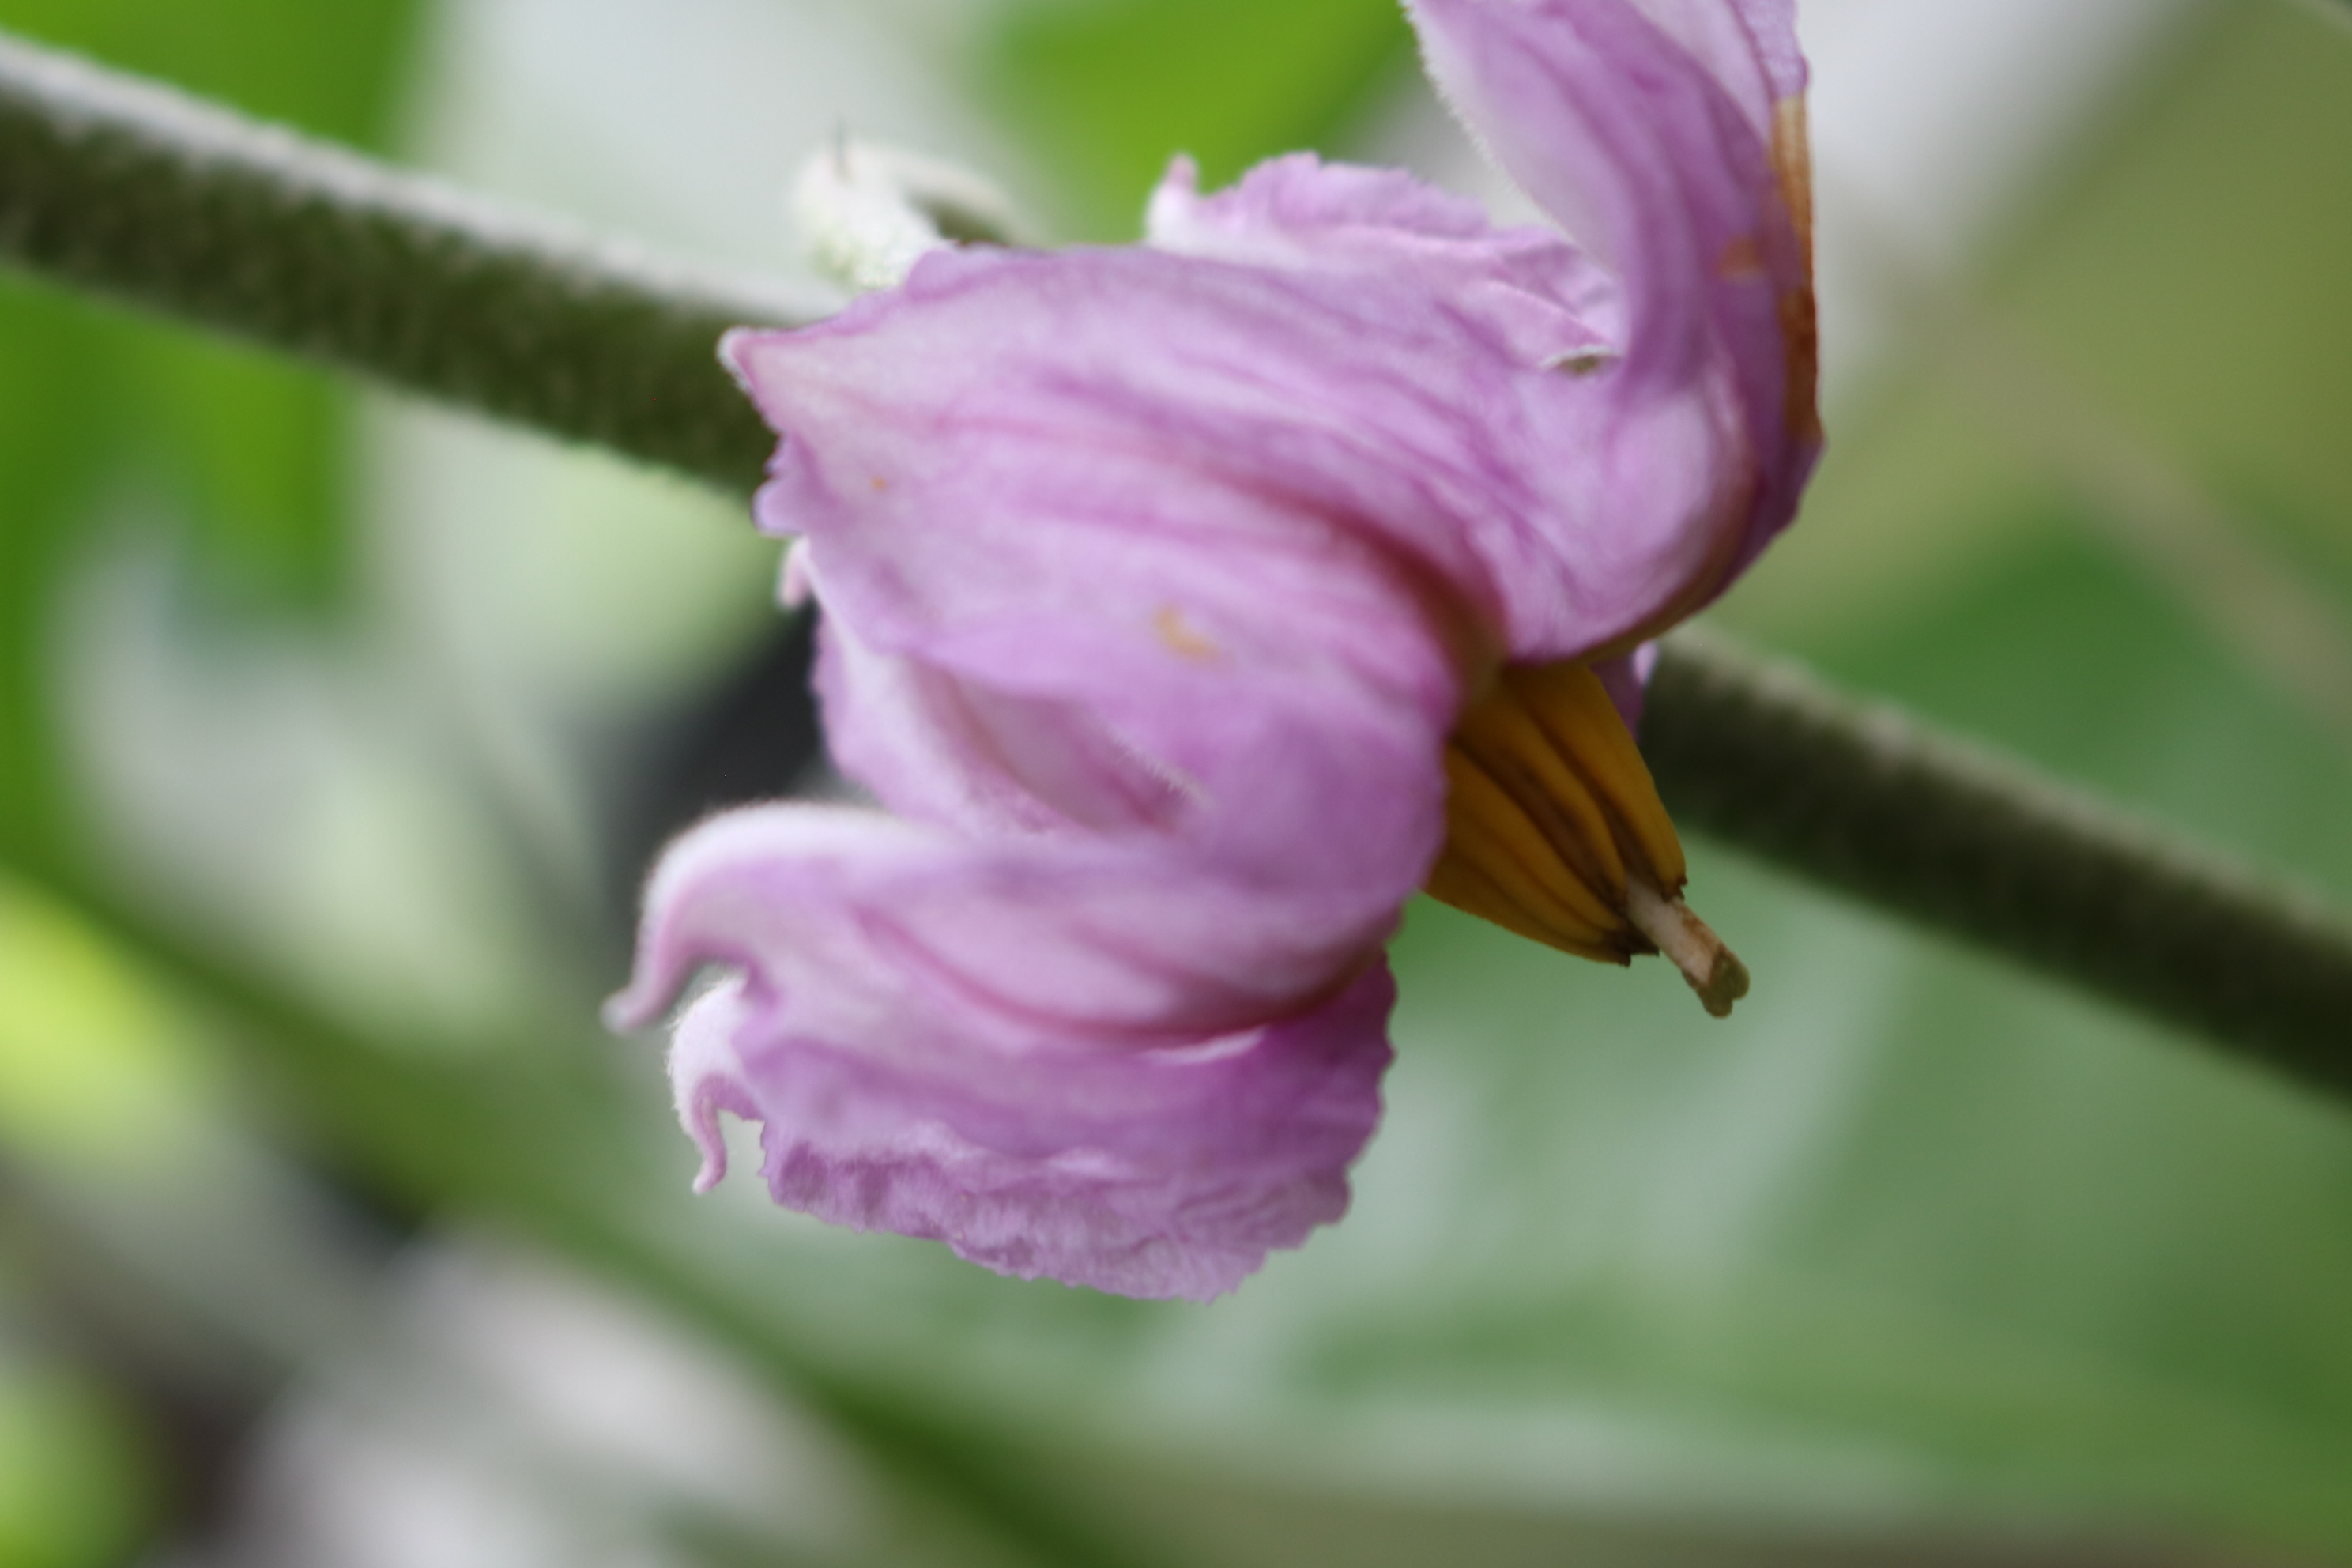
(562, 1138)
(1108, 91)
(93, 1064)
(74, 1489)
(101, 414)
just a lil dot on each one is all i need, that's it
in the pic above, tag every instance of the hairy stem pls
(124, 188)
(109, 184)
(1864, 800)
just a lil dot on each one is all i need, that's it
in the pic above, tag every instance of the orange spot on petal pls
(1179, 638)
(1743, 257)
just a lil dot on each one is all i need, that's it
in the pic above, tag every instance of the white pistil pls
(1713, 969)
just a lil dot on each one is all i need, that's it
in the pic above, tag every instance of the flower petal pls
(1626, 679)
(943, 749)
(1098, 944)
(974, 1042)
(1141, 483)
(1546, 297)
(1166, 1174)
(1667, 135)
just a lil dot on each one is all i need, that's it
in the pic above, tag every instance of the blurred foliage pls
(91, 1060)
(107, 422)
(72, 1494)
(2183, 277)
(105, 419)
(1913, 1249)
(2135, 1221)
(1109, 89)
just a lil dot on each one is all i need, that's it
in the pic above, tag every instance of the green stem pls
(124, 188)
(111, 185)
(1977, 846)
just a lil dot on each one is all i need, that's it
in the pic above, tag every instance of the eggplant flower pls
(1188, 606)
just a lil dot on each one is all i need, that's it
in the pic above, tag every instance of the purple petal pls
(1748, 46)
(1544, 296)
(1667, 136)
(942, 750)
(1161, 1174)
(1626, 680)
(944, 1043)
(1097, 942)
(1137, 484)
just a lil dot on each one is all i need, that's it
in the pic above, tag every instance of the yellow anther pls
(1555, 831)
(1512, 857)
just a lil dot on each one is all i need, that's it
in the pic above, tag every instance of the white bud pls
(867, 213)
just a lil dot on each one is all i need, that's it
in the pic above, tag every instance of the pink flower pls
(1188, 606)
